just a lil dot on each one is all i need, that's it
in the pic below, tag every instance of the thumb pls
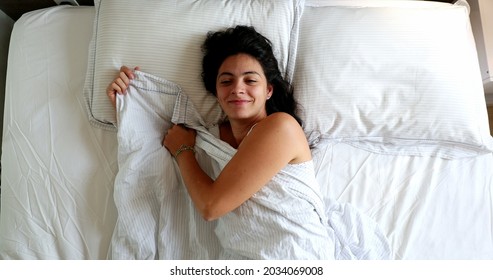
(113, 100)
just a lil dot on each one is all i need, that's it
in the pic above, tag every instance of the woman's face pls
(242, 88)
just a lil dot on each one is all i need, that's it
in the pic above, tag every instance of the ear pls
(270, 91)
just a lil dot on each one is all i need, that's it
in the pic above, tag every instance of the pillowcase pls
(165, 38)
(393, 80)
(373, 3)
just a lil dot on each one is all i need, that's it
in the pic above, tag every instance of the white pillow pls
(165, 38)
(394, 80)
(373, 3)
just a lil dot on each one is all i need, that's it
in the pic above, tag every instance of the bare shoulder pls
(282, 119)
(282, 131)
(283, 123)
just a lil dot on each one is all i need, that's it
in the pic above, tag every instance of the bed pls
(391, 96)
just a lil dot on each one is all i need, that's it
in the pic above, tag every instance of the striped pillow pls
(401, 80)
(164, 38)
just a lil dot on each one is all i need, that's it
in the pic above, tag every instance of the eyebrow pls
(243, 74)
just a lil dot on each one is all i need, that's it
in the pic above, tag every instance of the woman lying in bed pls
(271, 175)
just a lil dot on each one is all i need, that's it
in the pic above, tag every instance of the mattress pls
(59, 170)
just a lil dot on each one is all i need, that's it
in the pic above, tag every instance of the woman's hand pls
(120, 84)
(177, 136)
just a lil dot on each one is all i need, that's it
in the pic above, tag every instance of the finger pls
(109, 89)
(113, 100)
(137, 68)
(114, 89)
(111, 95)
(124, 69)
(128, 72)
(125, 77)
(121, 85)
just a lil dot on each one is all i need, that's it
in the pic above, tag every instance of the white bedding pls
(430, 208)
(58, 171)
(154, 209)
(156, 219)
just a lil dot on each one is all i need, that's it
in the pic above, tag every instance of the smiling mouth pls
(238, 102)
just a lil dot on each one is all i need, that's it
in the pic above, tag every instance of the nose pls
(238, 87)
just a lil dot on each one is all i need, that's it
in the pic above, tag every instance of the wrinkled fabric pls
(287, 219)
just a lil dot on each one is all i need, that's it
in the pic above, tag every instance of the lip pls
(238, 101)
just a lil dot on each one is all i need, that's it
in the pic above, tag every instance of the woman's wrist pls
(184, 148)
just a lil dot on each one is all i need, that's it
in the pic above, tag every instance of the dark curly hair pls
(245, 39)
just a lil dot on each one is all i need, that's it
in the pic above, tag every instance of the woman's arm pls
(275, 142)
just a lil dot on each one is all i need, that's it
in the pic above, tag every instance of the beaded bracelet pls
(184, 148)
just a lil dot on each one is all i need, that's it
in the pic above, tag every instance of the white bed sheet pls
(430, 208)
(58, 170)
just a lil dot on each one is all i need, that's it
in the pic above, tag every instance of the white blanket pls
(156, 218)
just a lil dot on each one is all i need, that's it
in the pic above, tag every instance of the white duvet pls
(156, 219)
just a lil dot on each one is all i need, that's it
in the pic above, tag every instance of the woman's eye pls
(225, 82)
